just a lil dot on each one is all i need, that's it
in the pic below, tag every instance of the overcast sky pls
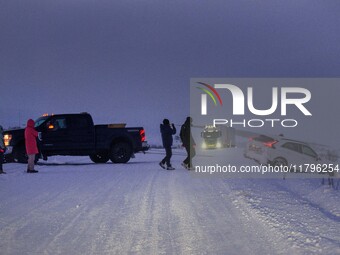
(131, 61)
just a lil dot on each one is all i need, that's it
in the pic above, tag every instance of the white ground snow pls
(73, 206)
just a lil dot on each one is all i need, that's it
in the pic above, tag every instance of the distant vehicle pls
(75, 134)
(227, 136)
(280, 151)
(211, 137)
(218, 137)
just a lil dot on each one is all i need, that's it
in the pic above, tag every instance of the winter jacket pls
(2, 144)
(185, 134)
(167, 131)
(31, 138)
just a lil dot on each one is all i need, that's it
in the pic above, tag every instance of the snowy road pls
(75, 207)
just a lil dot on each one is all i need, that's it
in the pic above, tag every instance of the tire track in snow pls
(83, 220)
(138, 231)
(38, 214)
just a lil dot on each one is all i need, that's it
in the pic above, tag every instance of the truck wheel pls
(99, 158)
(20, 154)
(121, 152)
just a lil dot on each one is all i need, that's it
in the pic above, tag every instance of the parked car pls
(75, 134)
(281, 151)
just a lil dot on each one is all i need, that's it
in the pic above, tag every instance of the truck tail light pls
(7, 139)
(142, 135)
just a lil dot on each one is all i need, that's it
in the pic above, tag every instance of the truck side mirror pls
(40, 136)
(50, 126)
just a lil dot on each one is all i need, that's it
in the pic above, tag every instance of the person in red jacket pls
(31, 145)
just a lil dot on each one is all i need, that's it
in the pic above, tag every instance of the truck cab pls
(67, 133)
(211, 135)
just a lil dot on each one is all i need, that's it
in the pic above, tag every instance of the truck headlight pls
(218, 145)
(7, 139)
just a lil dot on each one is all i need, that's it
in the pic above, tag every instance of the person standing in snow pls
(167, 131)
(188, 143)
(31, 145)
(2, 149)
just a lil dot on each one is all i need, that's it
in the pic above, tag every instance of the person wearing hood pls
(188, 143)
(167, 131)
(2, 149)
(31, 145)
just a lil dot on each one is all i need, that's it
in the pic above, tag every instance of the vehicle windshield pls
(41, 120)
(211, 134)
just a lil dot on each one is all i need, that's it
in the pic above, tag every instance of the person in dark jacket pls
(167, 131)
(188, 143)
(2, 149)
(31, 145)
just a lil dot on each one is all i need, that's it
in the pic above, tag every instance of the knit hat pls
(166, 122)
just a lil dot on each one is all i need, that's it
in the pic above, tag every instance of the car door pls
(291, 151)
(82, 134)
(55, 135)
(309, 155)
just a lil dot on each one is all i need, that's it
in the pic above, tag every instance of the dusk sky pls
(131, 61)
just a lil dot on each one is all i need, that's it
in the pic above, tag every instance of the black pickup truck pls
(75, 134)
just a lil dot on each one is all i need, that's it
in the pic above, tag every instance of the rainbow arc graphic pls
(211, 91)
(213, 94)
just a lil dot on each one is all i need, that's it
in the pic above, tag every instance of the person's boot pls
(185, 165)
(162, 165)
(2, 171)
(32, 171)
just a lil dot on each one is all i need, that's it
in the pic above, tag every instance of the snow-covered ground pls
(73, 206)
